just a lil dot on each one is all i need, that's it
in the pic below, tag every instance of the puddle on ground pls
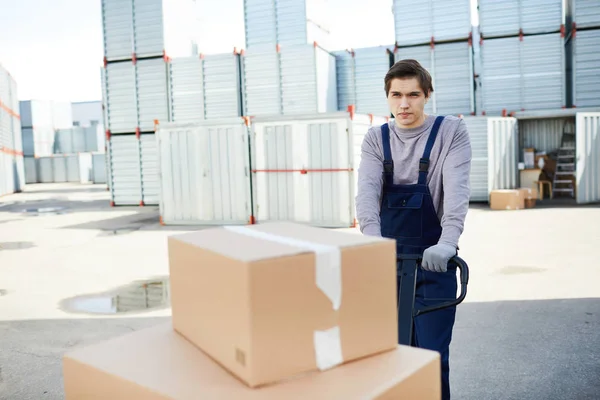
(115, 232)
(45, 211)
(15, 245)
(136, 297)
(517, 270)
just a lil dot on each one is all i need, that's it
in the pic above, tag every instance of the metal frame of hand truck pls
(407, 274)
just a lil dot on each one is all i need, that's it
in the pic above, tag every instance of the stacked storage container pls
(522, 55)
(12, 171)
(39, 121)
(583, 52)
(139, 38)
(438, 35)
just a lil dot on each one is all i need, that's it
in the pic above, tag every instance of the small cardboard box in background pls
(275, 300)
(158, 364)
(507, 199)
(530, 196)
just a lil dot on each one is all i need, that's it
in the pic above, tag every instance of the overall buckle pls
(388, 166)
(423, 165)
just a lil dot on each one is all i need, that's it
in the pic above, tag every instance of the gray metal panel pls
(204, 171)
(453, 78)
(125, 170)
(152, 93)
(187, 89)
(346, 88)
(291, 22)
(326, 81)
(543, 69)
(149, 168)
(543, 134)
(588, 158)
(441, 19)
(262, 94)
(299, 80)
(371, 66)
(424, 55)
(507, 17)
(501, 76)
(31, 170)
(117, 27)
(99, 168)
(261, 24)
(586, 68)
(221, 86)
(478, 135)
(586, 13)
(502, 153)
(121, 100)
(148, 28)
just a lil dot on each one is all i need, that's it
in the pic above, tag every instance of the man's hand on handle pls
(435, 258)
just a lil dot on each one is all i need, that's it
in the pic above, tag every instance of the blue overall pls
(408, 216)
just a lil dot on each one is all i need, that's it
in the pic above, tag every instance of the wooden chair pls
(541, 184)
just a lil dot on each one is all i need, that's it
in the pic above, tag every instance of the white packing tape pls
(328, 343)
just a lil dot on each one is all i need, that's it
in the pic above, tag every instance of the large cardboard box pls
(275, 300)
(158, 364)
(507, 199)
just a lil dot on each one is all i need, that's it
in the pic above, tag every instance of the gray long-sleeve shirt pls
(448, 176)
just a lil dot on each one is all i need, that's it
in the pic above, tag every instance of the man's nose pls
(403, 103)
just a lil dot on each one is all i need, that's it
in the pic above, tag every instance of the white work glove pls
(435, 258)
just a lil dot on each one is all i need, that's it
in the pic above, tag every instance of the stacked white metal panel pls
(285, 22)
(39, 121)
(289, 80)
(451, 68)
(60, 168)
(371, 64)
(508, 17)
(346, 79)
(77, 140)
(304, 167)
(147, 28)
(12, 174)
(585, 13)
(523, 73)
(585, 53)
(186, 80)
(423, 21)
(205, 172)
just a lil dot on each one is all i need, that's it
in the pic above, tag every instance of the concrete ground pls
(529, 328)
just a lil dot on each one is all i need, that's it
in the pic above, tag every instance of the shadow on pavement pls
(521, 350)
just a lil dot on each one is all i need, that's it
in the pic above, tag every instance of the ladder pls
(565, 163)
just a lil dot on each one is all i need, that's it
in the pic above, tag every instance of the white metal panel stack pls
(186, 80)
(346, 79)
(588, 157)
(371, 64)
(586, 67)
(12, 170)
(222, 86)
(77, 140)
(149, 169)
(423, 21)
(478, 136)
(285, 22)
(586, 13)
(508, 17)
(262, 82)
(39, 120)
(60, 168)
(524, 73)
(204, 170)
(151, 93)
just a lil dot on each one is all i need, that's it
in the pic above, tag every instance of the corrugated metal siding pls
(501, 78)
(326, 81)
(502, 153)
(125, 170)
(441, 19)
(586, 13)
(282, 192)
(204, 170)
(149, 168)
(121, 101)
(262, 83)
(586, 68)
(543, 134)
(152, 93)
(261, 24)
(371, 65)
(588, 157)
(221, 85)
(187, 89)
(117, 27)
(507, 17)
(478, 134)
(148, 28)
(291, 22)
(299, 80)
(453, 78)
(76, 140)
(346, 88)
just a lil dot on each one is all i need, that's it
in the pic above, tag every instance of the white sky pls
(53, 48)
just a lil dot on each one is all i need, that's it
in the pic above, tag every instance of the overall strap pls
(388, 163)
(424, 162)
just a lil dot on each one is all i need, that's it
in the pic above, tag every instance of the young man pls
(413, 186)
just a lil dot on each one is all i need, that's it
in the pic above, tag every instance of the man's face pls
(407, 102)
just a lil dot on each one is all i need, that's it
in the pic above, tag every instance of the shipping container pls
(371, 64)
(586, 68)
(152, 93)
(588, 157)
(503, 147)
(77, 140)
(262, 82)
(285, 22)
(147, 28)
(38, 141)
(512, 17)
(304, 168)
(204, 170)
(451, 68)
(525, 73)
(31, 170)
(585, 13)
(420, 22)
(98, 168)
(346, 79)
(222, 86)
(186, 80)
(73, 168)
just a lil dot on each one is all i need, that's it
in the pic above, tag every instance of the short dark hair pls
(409, 69)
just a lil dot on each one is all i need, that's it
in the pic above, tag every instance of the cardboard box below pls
(274, 300)
(507, 199)
(158, 363)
